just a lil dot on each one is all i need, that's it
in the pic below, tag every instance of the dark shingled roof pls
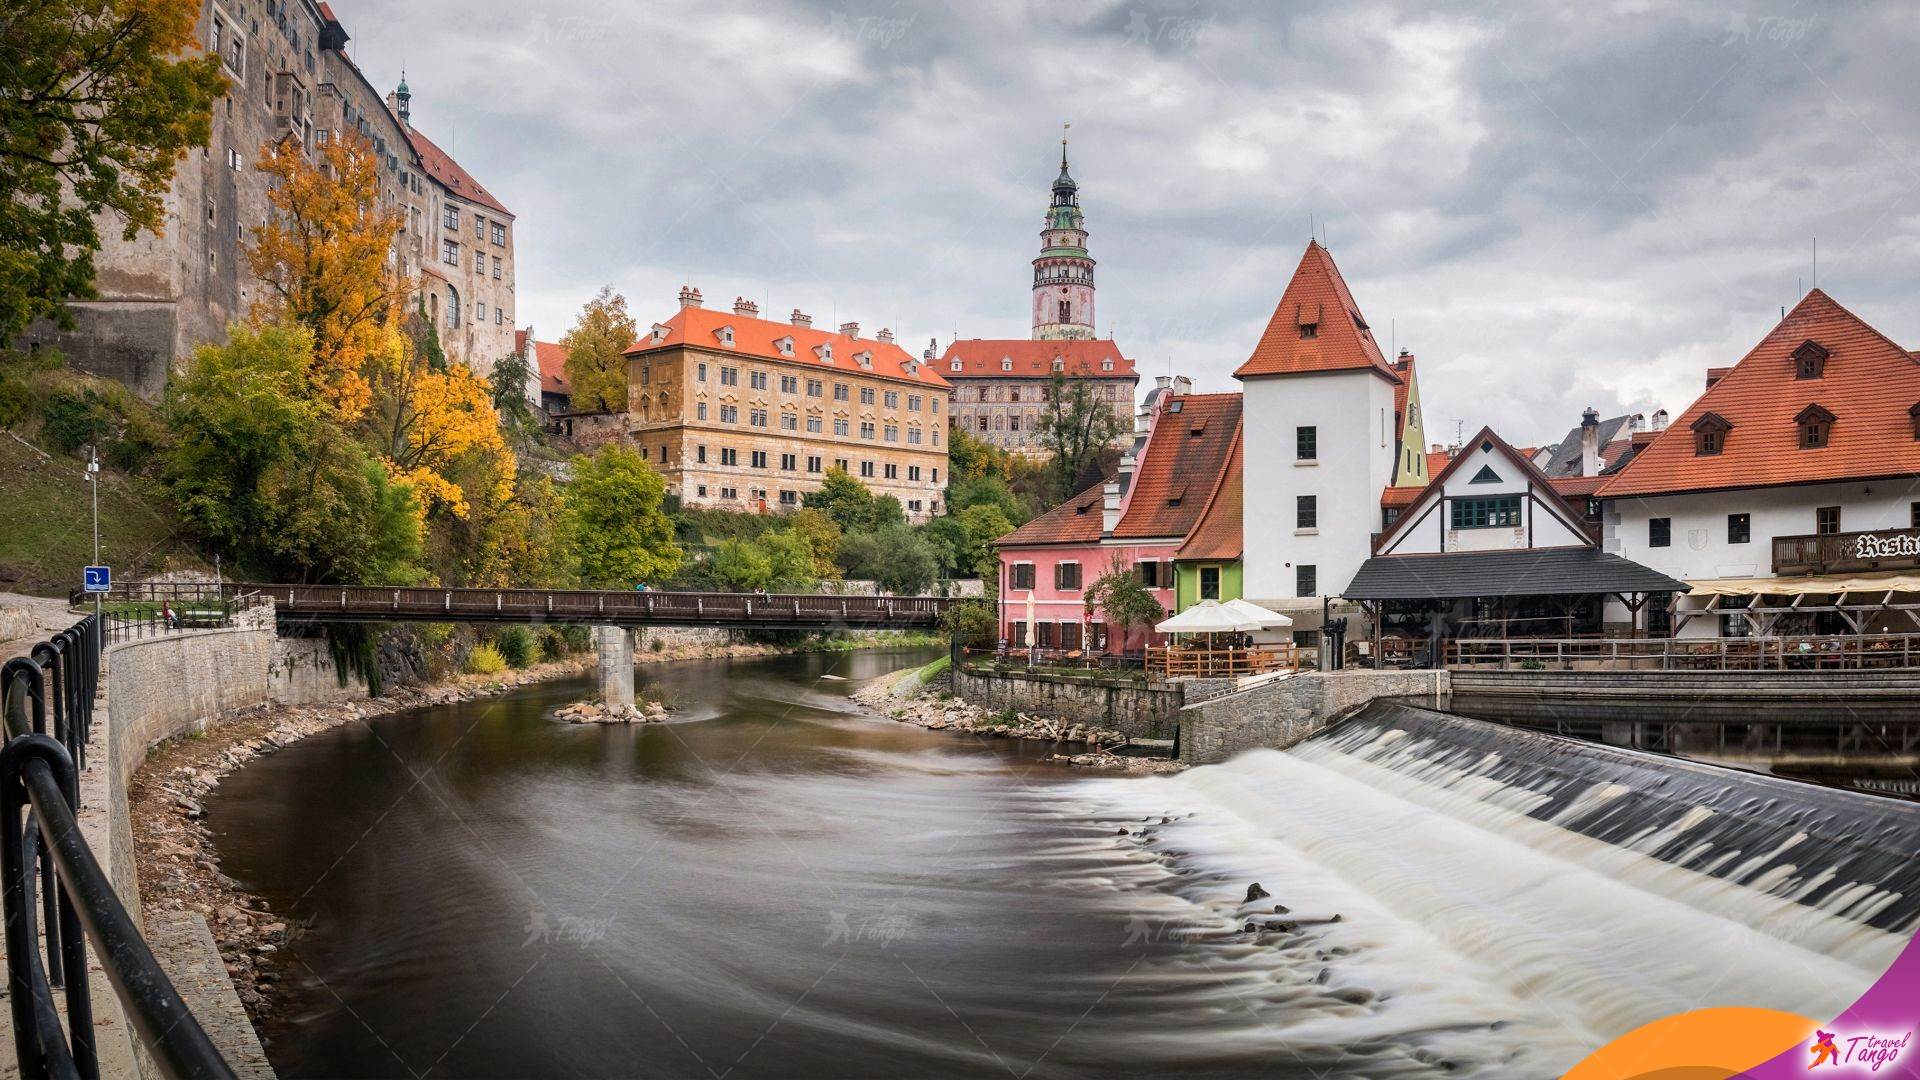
(1521, 572)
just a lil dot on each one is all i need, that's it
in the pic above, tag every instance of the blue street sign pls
(99, 578)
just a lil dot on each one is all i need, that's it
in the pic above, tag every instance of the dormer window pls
(1006, 363)
(824, 351)
(1107, 364)
(1816, 425)
(1174, 496)
(1710, 434)
(1810, 360)
(911, 367)
(725, 336)
(785, 345)
(1059, 364)
(864, 358)
(955, 365)
(1309, 330)
(660, 332)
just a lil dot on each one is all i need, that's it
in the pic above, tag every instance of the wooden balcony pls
(1847, 552)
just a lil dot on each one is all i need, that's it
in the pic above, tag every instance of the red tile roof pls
(448, 174)
(1868, 383)
(981, 358)
(1577, 486)
(758, 337)
(1180, 466)
(1402, 497)
(1076, 521)
(1317, 296)
(1219, 533)
(552, 359)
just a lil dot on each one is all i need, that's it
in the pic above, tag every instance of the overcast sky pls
(1551, 205)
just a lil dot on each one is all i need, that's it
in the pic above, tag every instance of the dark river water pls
(777, 885)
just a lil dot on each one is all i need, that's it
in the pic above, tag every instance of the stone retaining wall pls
(1145, 712)
(1278, 714)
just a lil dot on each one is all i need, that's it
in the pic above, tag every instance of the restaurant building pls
(742, 413)
(1784, 495)
(1491, 551)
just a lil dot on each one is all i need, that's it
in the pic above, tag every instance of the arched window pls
(1066, 311)
(453, 308)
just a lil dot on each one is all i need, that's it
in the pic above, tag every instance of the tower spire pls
(1063, 274)
(1064, 128)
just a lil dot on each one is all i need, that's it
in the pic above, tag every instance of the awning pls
(1258, 614)
(1569, 571)
(1208, 617)
(1808, 585)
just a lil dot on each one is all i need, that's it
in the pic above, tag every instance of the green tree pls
(261, 471)
(852, 506)
(972, 621)
(778, 561)
(1077, 428)
(615, 525)
(822, 537)
(983, 525)
(900, 560)
(949, 540)
(511, 374)
(988, 491)
(1123, 599)
(99, 102)
(596, 352)
(972, 458)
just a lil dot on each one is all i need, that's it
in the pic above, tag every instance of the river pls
(776, 885)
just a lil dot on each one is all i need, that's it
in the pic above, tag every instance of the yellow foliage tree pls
(325, 257)
(596, 348)
(440, 427)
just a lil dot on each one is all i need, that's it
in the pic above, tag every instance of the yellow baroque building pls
(743, 413)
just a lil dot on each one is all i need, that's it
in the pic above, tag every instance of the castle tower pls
(1063, 274)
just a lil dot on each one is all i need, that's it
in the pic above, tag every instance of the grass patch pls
(49, 533)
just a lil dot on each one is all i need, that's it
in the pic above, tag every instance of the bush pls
(515, 645)
(484, 659)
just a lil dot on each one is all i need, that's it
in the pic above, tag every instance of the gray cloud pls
(1553, 205)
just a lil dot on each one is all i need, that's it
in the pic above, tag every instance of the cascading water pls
(1511, 900)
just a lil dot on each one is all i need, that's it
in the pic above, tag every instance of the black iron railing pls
(54, 892)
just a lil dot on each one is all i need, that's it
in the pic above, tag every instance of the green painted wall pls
(1186, 582)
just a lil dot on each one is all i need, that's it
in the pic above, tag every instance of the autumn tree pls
(614, 522)
(323, 259)
(1123, 599)
(99, 102)
(596, 351)
(1077, 428)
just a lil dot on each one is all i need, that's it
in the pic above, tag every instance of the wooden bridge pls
(733, 611)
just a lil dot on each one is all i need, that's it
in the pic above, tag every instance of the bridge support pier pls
(615, 646)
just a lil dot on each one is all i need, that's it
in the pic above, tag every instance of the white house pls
(1323, 428)
(1490, 549)
(1785, 495)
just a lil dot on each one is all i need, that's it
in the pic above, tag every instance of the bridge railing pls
(592, 605)
(56, 896)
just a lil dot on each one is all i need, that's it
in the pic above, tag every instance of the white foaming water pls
(1469, 930)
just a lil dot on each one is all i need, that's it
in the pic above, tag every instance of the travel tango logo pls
(1860, 1051)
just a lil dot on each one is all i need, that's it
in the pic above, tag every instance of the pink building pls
(1136, 521)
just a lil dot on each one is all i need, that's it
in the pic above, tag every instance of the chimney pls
(1112, 492)
(1182, 385)
(1636, 422)
(689, 296)
(850, 329)
(800, 318)
(1161, 382)
(1590, 443)
(932, 344)
(745, 308)
(1660, 420)
(885, 336)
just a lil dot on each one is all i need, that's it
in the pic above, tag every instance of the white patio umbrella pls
(1250, 610)
(1208, 617)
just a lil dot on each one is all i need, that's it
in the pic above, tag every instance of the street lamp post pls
(93, 482)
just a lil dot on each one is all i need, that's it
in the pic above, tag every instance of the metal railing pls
(144, 609)
(1023, 658)
(1780, 653)
(55, 894)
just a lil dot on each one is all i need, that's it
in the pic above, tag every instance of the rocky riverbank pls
(900, 697)
(178, 868)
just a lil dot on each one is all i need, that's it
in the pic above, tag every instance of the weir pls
(1586, 889)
